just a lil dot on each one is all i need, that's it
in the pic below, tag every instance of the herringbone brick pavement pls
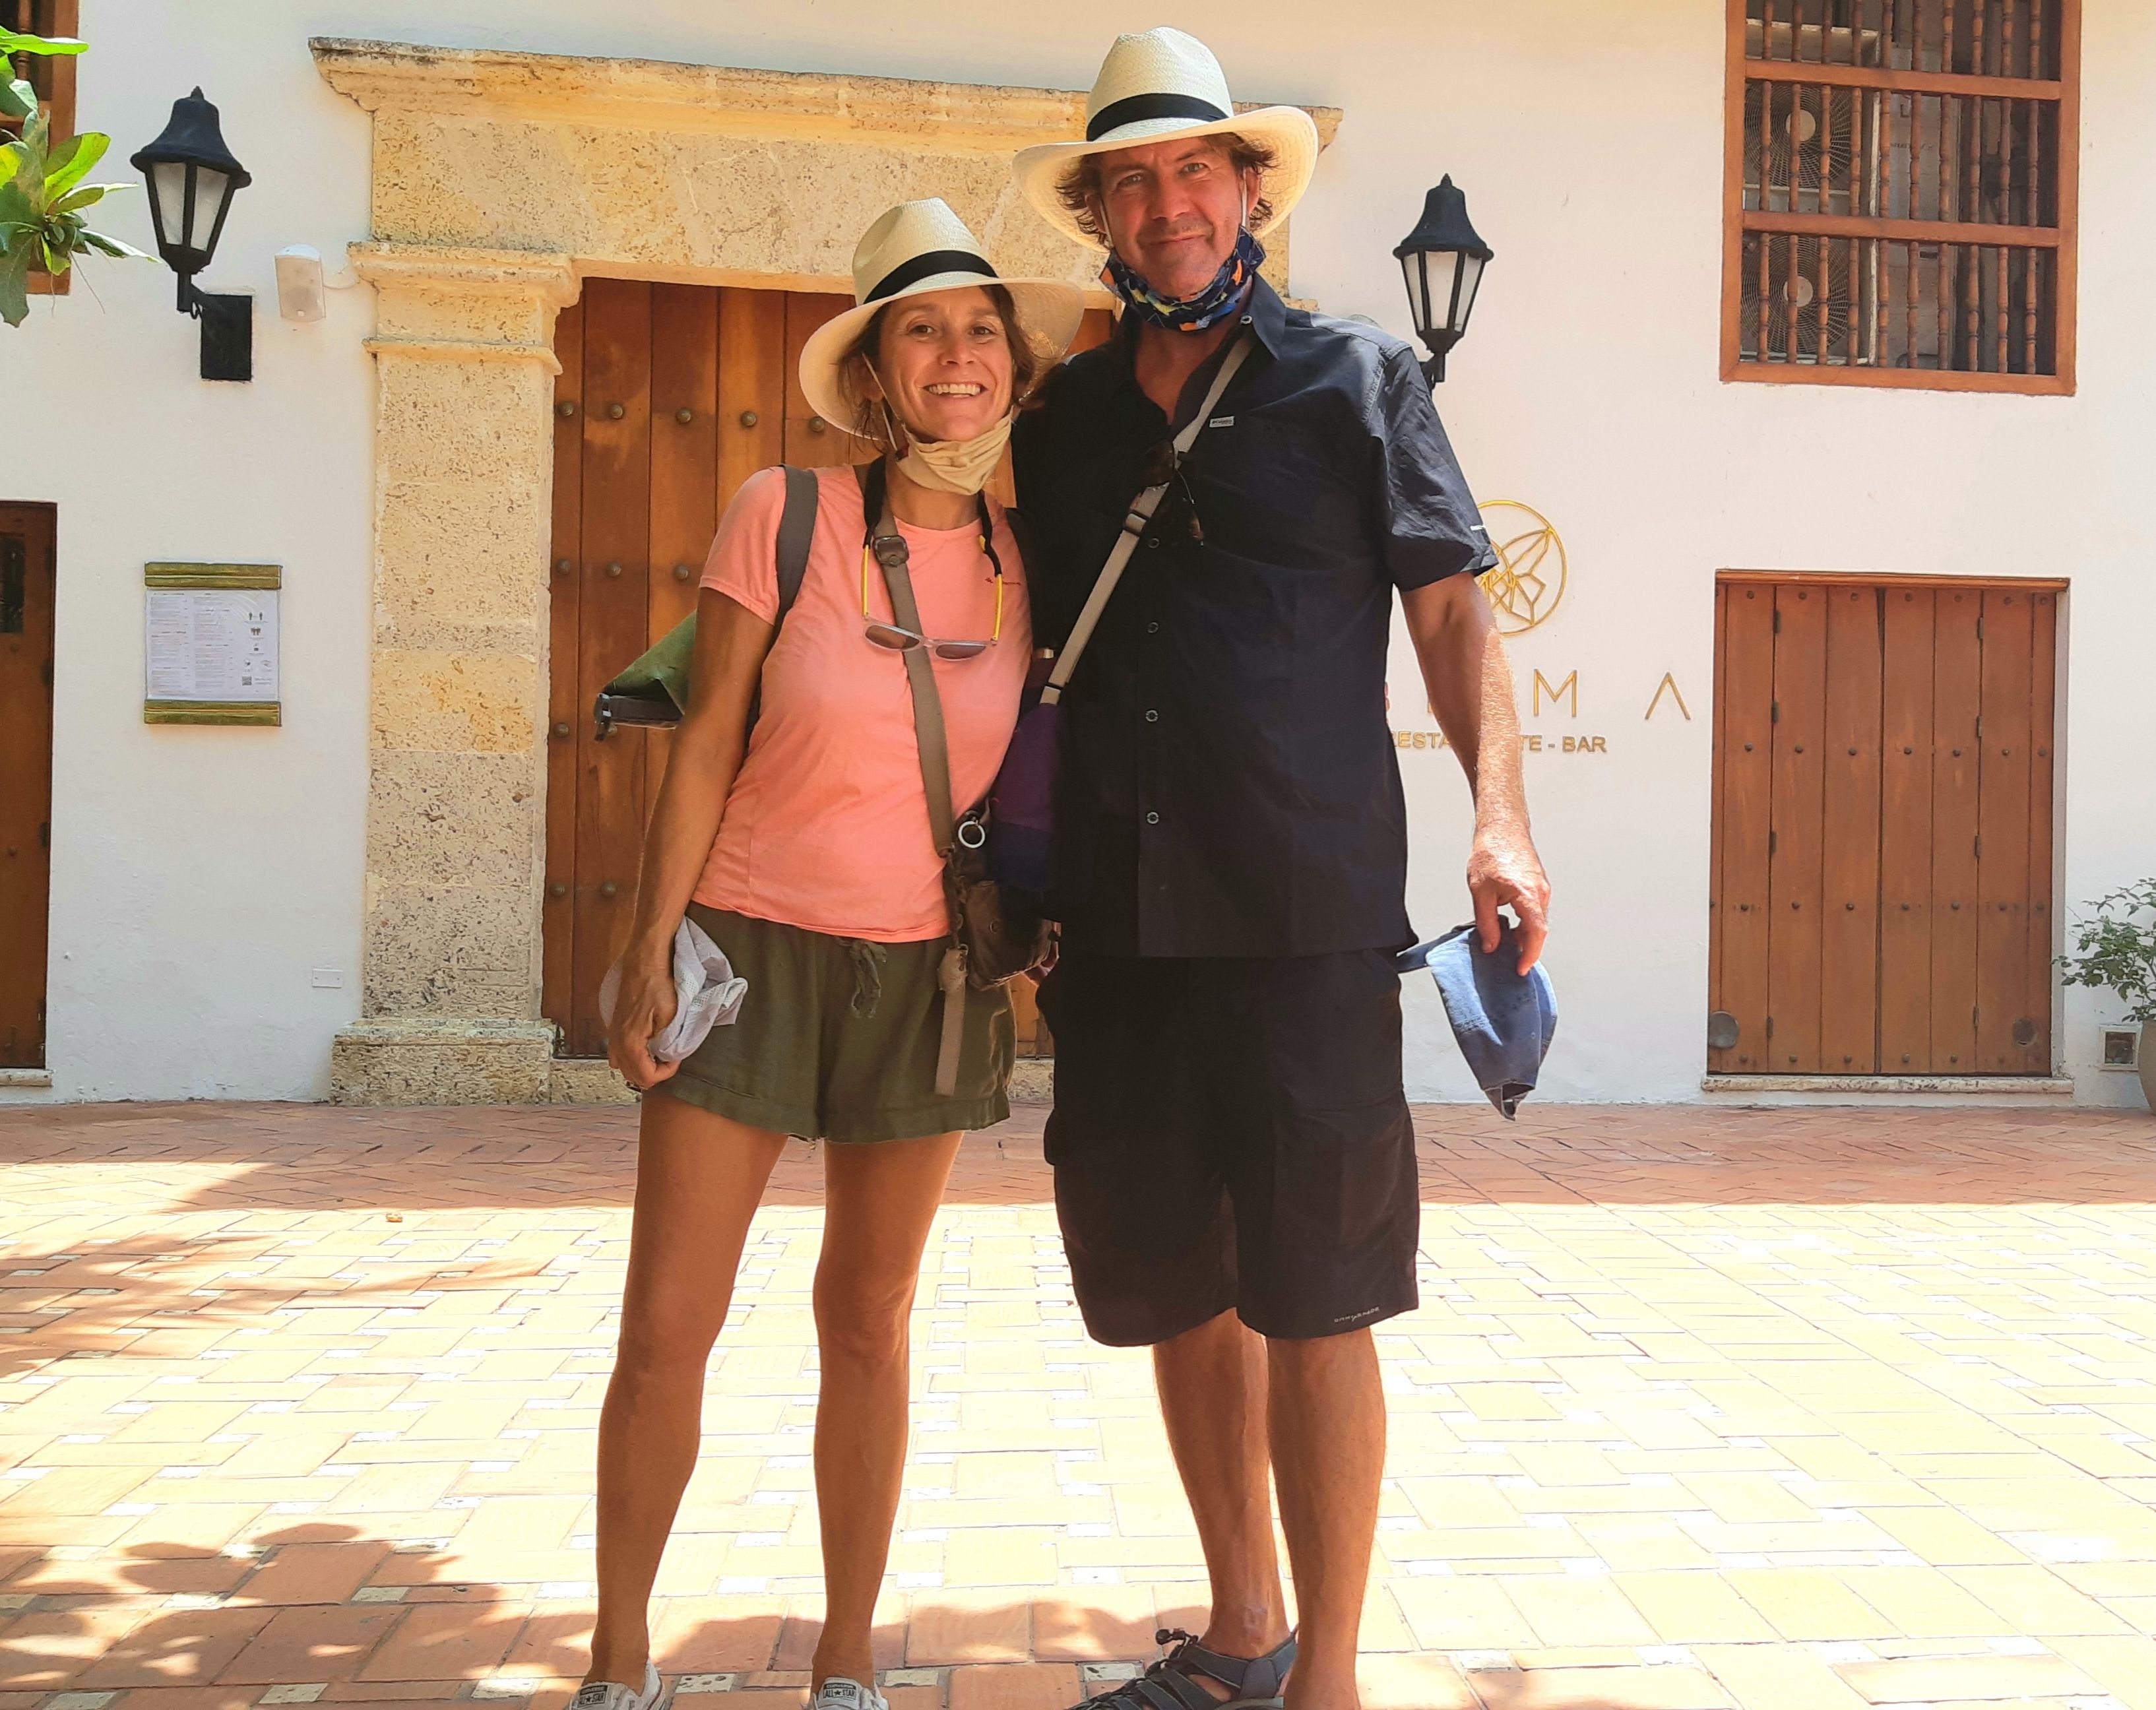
(1783, 1410)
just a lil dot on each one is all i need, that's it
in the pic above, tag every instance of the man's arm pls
(1470, 683)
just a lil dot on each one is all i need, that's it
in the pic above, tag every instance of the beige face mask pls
(956, 466)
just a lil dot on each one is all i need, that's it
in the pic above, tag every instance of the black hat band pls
(1134, 109)
(927, 266)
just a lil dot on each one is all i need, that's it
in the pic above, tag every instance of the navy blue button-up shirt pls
(1229, 784)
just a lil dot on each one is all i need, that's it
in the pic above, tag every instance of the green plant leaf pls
(110, 246)
(15, 281)
(18, 99)
(84, 194)
(69, 162)
(14, 42)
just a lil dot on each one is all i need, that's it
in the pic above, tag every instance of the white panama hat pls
(1165, 83)
(912, 249)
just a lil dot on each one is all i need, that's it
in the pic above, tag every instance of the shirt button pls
(1153, 819)
(1152, 715)
(1152, 628)
(1153, 540)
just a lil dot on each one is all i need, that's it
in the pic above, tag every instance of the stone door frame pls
(499, 180)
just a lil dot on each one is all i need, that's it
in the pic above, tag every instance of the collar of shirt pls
(1264, 317)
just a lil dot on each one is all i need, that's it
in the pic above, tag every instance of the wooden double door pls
(1882, 847)
(27, 587)
(670, 397)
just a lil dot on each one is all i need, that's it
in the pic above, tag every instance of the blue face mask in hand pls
(1209, 308)
(1503, 1019)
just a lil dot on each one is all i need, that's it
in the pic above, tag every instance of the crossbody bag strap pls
(797, 528)
(1134, 526)
(930, 738)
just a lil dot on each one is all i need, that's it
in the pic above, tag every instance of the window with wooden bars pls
(52, 77)
(1901, 192)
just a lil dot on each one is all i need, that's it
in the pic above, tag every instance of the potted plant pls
(2115, 950)
(42, 194)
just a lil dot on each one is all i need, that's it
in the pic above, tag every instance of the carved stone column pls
(456, 775)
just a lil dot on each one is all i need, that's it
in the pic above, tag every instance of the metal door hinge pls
(1770, 1027)
(1774, 713)
(1777, 621)
(1772, 839)
(45, 674)
(44, 833)
(1977, 847)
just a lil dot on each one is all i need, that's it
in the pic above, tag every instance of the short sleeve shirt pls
(1229, 784)
(827, 824)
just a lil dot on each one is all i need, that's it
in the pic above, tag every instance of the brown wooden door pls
(27, 589)
(670, 397)
(1882, 860)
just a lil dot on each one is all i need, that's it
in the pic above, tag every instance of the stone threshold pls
(25, 1077)
(1842, 1087)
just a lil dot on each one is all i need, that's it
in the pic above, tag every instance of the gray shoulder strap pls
(797, 524)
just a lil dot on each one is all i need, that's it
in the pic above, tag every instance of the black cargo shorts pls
(1232, 1134)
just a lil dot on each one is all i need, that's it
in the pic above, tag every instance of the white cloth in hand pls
(707, 993)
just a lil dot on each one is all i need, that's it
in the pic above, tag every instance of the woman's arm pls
(732, 642)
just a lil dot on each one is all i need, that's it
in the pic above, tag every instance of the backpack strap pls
(797, 528)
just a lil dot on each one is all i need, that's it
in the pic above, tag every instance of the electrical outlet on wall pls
(327, 979)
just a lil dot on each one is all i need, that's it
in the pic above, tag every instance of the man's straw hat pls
(1165, 84)
(912, 249)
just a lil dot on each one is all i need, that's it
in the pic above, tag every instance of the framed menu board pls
(210, 644)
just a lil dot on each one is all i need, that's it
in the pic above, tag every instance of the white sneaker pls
(613, 1695)
(839, 1693)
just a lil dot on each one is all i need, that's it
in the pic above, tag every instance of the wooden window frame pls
(1737, 220)
(59, 103)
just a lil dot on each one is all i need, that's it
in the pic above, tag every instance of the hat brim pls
(1288, 131)
(1048, 313)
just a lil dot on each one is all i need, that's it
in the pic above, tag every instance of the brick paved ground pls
(1783, 1410)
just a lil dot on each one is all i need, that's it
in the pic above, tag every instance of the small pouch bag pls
(707, 993)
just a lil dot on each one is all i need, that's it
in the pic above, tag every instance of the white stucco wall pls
(199, 875)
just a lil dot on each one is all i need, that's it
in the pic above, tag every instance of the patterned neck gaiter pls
(1210, 306)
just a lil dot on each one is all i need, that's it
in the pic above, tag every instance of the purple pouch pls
(1022, 811)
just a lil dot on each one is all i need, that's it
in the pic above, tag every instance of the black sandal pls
(1253, 1683)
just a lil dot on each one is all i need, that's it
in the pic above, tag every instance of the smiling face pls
(943, 361)
(1172, 209)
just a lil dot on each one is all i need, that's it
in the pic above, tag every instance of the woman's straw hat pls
(1165, 83)
(913, 248)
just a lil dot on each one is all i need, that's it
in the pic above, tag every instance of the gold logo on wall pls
(1526, 583)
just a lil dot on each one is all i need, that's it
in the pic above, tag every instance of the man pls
(1235, 1167)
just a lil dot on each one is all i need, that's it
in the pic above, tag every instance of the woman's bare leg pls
(698, 1177)
(881, 1201)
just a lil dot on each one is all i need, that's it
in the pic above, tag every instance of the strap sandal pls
(1253, 1683)
(613, 1695)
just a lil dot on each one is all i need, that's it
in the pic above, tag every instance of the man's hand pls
(643, 1009)
(1504, 868)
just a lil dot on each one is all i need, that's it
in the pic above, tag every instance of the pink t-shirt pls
(827, 825)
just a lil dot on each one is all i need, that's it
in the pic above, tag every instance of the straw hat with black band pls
(912, 250)
(1161, 86)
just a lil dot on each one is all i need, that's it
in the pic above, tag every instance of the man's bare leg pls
(1329, 1449)
(1213, 1385)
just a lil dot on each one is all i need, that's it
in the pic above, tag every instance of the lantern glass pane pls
(1471, 281)
(169, 200)
(1443, 264)
(211, 189)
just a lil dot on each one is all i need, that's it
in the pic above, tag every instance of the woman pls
(803, 848)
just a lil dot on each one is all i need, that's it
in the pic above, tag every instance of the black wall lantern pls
(1442, 258)
(192, 177)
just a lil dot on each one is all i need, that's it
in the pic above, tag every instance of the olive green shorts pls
(837, 1039)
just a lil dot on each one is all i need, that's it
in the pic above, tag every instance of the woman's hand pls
(642, 1008)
